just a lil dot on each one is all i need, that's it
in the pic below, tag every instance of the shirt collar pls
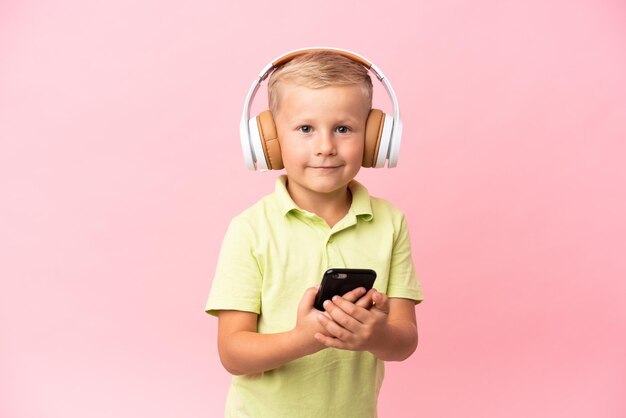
(285, 202)
(361, 205)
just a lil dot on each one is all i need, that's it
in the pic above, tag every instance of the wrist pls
(395, 343)
(303, 344)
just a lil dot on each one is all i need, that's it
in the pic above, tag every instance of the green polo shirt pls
(271, 254)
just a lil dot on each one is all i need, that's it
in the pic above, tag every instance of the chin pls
(329, 186)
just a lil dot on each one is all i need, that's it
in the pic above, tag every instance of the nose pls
(325, 144)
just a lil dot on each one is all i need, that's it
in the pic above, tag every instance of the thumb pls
(306, 303)
(381, 301)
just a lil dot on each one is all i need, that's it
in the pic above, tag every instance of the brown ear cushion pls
(269, 140)
(373, 133)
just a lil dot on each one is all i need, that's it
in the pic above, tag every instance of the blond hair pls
(317, 70)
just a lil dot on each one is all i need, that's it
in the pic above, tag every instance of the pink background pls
(120, 167)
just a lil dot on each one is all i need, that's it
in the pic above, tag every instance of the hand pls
(354, 326)
(307, 325)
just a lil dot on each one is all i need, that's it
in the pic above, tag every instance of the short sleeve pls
(403, 282)
(238, 279)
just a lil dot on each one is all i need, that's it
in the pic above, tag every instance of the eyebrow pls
(308, 120)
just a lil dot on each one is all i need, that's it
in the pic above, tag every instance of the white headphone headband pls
(251, 153)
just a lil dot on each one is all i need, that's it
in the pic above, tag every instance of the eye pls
(342, 129)
(305, 129)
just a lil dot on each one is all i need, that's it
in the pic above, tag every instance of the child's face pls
(322, 136)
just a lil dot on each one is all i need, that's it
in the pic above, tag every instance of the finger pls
(333, 329)
(355, 294)
(367, 300)
(330, 341)
(381, 302)
(346, 314)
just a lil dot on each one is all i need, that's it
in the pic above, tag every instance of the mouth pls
(326, 166)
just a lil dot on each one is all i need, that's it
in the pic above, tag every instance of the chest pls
(290, 263)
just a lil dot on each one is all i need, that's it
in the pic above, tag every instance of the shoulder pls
(373, 207)
(384, 210)
(253, 220)
(379, 204)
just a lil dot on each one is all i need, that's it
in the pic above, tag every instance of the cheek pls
(355, 151)
(292, 151)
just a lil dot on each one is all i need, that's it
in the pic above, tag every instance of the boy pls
(289, 359)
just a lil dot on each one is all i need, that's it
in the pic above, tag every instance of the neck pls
(331, 207)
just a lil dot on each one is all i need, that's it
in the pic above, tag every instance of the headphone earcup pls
(373, 135)
(269, 140)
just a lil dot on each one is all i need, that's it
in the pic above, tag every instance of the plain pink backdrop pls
(120, 167)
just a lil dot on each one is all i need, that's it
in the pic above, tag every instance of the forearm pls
(245, 351)
(248, 352)
(396, 342)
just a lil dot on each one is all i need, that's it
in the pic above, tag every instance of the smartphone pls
(341, 281)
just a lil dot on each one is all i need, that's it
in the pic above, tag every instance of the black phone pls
(340, 281)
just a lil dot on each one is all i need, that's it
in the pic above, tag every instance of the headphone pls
(259, 137)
